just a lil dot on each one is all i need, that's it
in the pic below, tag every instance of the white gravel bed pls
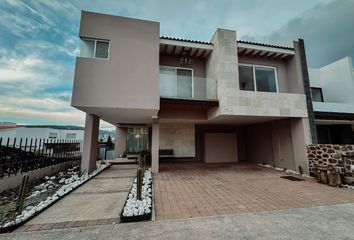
(69, 184)
(135, 207)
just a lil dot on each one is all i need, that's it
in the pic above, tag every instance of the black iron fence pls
(23, 155)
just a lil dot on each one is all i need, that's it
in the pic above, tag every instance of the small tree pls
(109, 143)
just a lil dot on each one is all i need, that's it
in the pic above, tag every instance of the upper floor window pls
(176, 82)
(317, 95)
(258, 78)
(93, 48)
(71, 135)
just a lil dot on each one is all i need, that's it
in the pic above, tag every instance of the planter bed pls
(138, 210)
(66, 185)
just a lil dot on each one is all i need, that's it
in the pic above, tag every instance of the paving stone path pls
(97, 202)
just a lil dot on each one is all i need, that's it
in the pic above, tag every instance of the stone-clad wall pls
(329, 154)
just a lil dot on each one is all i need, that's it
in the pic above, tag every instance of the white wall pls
(336, 81)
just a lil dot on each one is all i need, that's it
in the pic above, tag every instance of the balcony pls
(181, 84)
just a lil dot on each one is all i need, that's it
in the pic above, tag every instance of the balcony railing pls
(187, 87)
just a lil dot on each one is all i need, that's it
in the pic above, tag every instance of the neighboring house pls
(332, 89)
(40, 132)
(218, 101)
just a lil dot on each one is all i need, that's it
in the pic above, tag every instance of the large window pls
(317, 95)
(258, 78)
(176, 82)
(137, 139)
(92, 48)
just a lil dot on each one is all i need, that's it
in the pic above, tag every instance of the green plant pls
(139, 178)
(109, 143)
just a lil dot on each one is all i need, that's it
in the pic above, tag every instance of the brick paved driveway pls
(185, 190)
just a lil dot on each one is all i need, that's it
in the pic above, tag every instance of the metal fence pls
(23, 155)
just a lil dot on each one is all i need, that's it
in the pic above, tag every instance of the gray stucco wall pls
(130, 77)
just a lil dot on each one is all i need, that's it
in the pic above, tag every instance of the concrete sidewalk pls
(323, 222)
(97, 202)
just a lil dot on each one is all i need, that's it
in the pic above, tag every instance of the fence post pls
(21, 195)
(26, 145)
(30, 147)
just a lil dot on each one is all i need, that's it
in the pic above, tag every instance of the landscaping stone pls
(325, 155)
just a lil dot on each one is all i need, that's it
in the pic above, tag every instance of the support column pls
(155, 145)
(301, 137)
(121, 142)
(89, 156)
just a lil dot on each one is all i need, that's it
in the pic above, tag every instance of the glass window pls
(184, 83)
(246, 78)
(168, 82)
(265, 79)
(102, 49)
(176, 82)
(137, 139)
(317, 94)
(91, 48)
(87, 48)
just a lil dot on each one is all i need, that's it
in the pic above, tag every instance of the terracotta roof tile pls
(239, 41)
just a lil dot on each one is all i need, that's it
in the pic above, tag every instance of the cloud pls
(327, 30)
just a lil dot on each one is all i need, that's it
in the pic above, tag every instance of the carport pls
(195, 189)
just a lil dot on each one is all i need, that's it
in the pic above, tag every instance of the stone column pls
(89, 156)
(121, 141)
(301, 64)
(155, 146)
(222, 66)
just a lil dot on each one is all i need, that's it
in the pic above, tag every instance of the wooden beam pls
(206, 53)
(174, 50)
(257, 54)
(189, 52)
(250, 53)
(193, 52)
(242, 51)
(271, 54)
(262, 53)
(200, 53)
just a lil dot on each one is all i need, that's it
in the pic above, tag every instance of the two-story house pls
(219, 101)
(332, 89)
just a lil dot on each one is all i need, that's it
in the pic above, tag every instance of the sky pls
(39, 41)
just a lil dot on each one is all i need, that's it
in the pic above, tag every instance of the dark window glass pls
(317, 94)
(246, 78)
(265, 79)
(102, 49)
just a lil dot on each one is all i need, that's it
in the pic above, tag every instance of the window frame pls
(254, 66)
(318, 88)
(175, 70)
(94, 47)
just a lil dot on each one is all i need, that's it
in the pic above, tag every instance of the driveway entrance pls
(186, 190)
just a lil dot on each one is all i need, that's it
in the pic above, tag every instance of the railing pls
(23, 155)
(187, 87)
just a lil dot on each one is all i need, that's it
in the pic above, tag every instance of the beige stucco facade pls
(254, 126)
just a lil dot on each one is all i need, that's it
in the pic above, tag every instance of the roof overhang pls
(270, 52)
(183, 48)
